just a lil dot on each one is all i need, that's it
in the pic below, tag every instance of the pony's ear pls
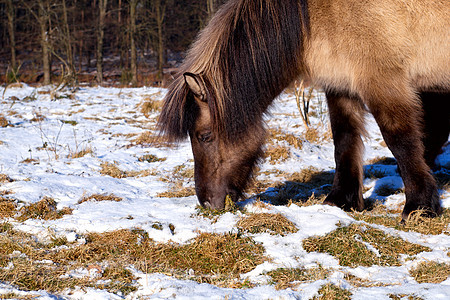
(196, 85)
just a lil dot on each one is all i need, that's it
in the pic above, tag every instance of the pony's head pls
(249, 52)
(222, 167)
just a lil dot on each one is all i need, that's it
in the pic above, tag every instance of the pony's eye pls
(205, 137)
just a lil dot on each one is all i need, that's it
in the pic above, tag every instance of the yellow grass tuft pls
(332, 292)
(44, 209)
(284, 278)
(149, 106)
(80, 153)
(5, 178)
(416, 221)
(431, 272)
(7, 207)
(277, 153)
(147, 138)
(266, 222)
(359, 245)
(100, 197)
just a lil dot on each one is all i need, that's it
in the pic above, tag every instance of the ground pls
(94, 205)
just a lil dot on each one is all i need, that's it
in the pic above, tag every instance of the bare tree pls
(68, 43)
(12, 38)
(102, 4)
(133, 5)
(160, 11)
(210, 8)
(43, 19)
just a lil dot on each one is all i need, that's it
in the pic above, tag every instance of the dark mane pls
(249, 52)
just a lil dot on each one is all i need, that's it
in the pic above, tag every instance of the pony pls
(387, 57)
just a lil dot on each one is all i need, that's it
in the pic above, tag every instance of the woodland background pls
(107, 42)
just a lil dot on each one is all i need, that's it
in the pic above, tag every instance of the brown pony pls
(388, 57)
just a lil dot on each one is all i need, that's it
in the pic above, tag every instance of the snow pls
(104, 116)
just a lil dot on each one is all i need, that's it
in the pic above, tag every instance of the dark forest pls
(106, 42)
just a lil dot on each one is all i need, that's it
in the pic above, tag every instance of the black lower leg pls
(346, 116)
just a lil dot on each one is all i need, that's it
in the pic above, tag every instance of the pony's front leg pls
(399, 116)
(347, 125)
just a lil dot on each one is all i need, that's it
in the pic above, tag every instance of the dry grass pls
(416, 221)
(279, 135)
(111, 169)
(44, 209)
(7, 207)
(284, 278)
(178, 191)
(3, 121)
(100, 197)
(358, 245)
(404, 297)
(312, 135)
(150, 158)
(214, 258)
(80, 153)
(265, 222)
(149, 106)
(148, 139)
(277, 153)
(30, 161)
(5, 178)
(431, 272)
(332, 292)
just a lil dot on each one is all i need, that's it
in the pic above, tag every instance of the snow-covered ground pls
(106, 120)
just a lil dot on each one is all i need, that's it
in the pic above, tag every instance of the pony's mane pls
(249, 52)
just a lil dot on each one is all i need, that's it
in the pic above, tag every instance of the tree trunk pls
(210, 8)
(100, 35)
(68, 43)
(43, 22)
(160, 14)
(133, 4)
(12, 38)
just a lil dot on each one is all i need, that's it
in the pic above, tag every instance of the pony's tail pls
(177, 114)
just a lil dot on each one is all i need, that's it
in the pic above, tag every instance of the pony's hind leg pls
(347, 125)
(436, 125)
(398, 114)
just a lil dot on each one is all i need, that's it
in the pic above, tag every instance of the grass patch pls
(3, 121)
(30, 161)
(279, 135)
(214, 214)
(149, 106)
(416, 221)
(359, 245)
(265, 222)
(276, 154)
(283, 278)
(150, 158)
(214, 258)
(7, 207)
(111, 169)
(148, 139)
(178, 191)
(44, 209)
(80, 153)
(100, 197)
(332, 292)
(430, 272)
(404, 296)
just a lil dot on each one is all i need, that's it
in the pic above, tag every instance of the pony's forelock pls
(249, 52)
